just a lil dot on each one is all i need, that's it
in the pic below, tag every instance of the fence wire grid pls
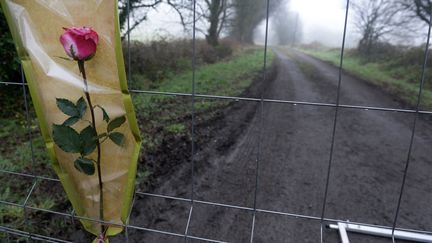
(37, 179)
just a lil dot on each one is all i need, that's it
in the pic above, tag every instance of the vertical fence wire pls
(30, 141)
(261, 123)
(414, 124)
(192, 178)
(330, 161)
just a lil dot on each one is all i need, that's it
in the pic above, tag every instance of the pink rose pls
(80, 42)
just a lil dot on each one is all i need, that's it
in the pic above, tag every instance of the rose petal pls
(94, 36)
(85, 48)
(79, 31)
(69, 44)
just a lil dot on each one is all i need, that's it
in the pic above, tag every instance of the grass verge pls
(401, 81)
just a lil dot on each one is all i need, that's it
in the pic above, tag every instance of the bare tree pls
(138, 11)
(375, 19)
(247, 15)
(216, 16)
(420, 9)
(212, 17)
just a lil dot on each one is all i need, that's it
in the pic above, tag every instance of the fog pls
(321, 21)
(318, 21)
(162, 22)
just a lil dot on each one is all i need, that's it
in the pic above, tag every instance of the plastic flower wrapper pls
(73, 62)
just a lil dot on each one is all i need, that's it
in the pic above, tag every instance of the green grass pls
(401, 81)
(229, 78)
(16, 155)
(176, 128)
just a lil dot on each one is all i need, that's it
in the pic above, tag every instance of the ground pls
(292, 144)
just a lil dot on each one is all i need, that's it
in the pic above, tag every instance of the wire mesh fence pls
(192, 202)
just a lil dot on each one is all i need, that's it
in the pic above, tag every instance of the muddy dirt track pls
(368, 162)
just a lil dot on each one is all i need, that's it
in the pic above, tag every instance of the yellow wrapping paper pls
(36, 26)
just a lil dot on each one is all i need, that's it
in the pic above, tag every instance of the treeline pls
(234, 18)
(389, 21)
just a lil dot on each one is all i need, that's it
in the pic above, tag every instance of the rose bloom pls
(80, 43)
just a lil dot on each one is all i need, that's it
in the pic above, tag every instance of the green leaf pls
(67, 107)
(117, 138)
(88, 140)
(71, 121)
(82, 107)
(85, 166)
(117, 122)
(105, 115)
(66, 138)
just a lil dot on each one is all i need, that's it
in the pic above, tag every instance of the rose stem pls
(98, 164)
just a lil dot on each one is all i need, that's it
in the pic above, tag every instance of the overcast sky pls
(163, 21)
(322, 20)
